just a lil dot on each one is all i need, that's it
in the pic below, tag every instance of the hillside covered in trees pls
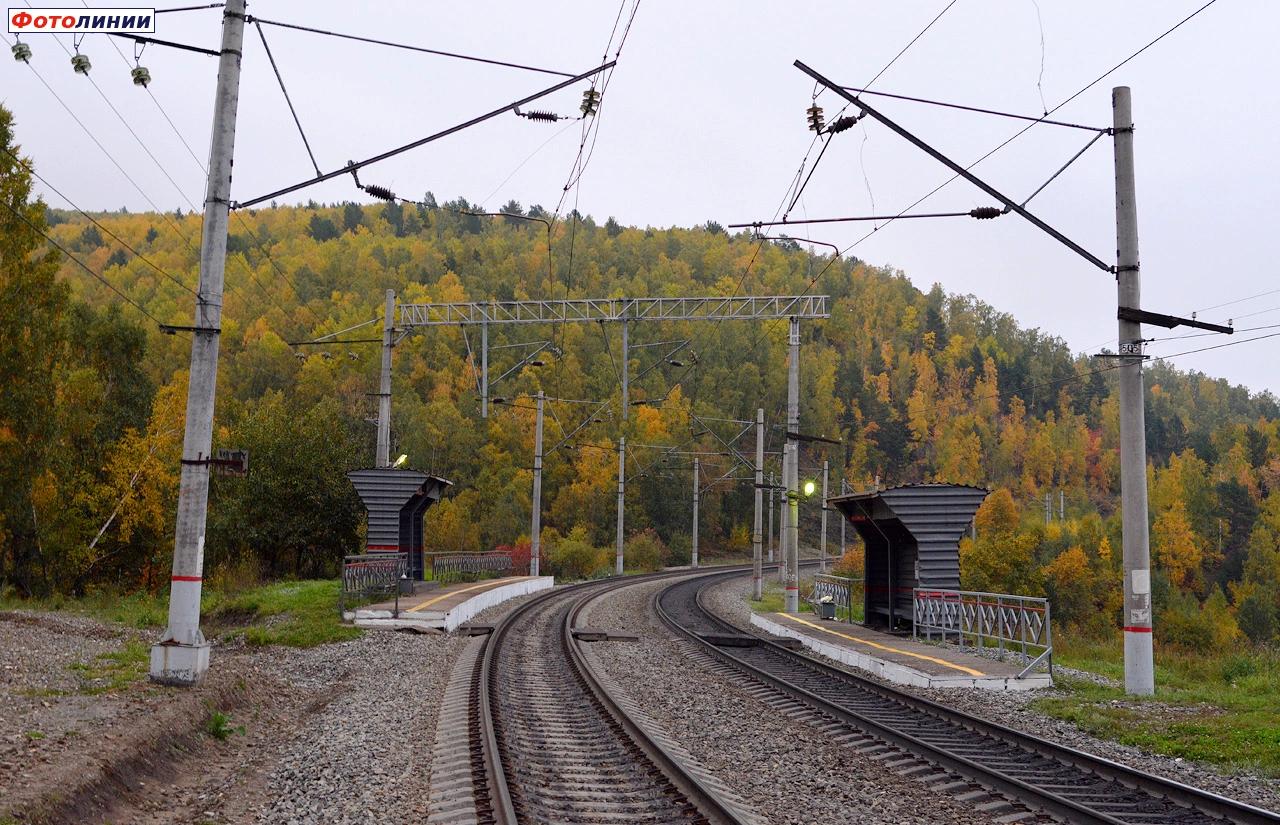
(918, 385)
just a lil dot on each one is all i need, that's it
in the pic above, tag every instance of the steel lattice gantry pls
(714, 308)
(605, 310)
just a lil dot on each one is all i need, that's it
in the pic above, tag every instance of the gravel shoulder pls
(1013, 709)
(774, 763)
(339, 733)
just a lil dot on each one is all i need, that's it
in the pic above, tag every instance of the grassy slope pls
(297, 614)
(1223, 709)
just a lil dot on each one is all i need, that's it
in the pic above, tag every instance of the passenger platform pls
(445, 608)
(904, 661)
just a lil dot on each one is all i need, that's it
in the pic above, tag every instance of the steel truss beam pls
(577, 310)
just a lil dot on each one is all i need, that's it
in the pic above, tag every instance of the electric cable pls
(80, 263)
(1003, 144)
(96, 223)
(390, 44)
(280, 79)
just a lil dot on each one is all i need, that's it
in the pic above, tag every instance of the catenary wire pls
(96, 223)
(390, 44)
(280, 79)
(80, 263)
(1000, 146)
(186, 239)
(239, 218)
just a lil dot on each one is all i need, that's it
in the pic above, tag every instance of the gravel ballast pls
(784, 769)
(1013, 709)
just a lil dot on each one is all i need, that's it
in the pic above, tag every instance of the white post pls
(535, 537)
(822, 556)
(622, 498)
(383, 457)
(695, 513)
(1139, 666)
(772, 484)
(182, 656)
(792, 545)
(757, 574)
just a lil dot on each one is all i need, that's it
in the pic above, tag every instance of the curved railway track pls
(1045, 777)
(529, 733)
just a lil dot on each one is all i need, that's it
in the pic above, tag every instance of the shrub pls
(520, 554)
(645, 552)
(574, 557)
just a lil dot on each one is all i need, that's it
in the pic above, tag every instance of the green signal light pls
(810, 487)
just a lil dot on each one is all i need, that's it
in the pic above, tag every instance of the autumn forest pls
(918, 385)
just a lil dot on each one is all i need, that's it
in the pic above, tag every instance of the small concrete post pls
(535, 536)
(622, 498)
(182, 656)
(757, 573)
(771, 533)
(694, 555)
(822, 556)
(383, 457)
(1139, 666)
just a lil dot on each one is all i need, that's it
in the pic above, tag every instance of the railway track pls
(529, 733)
(902, 729)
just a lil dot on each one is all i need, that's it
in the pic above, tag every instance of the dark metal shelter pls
(912, 538)
(396, 501)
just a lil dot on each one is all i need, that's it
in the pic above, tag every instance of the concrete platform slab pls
(904, 661)
(447, 607)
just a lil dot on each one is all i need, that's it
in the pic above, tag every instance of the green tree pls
(32, 341)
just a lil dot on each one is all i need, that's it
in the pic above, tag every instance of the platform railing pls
(372, 574)
(843, 591)
(453, 567)
(1011, 625)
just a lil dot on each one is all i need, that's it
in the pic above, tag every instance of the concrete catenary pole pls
(791, 591)
(822, 556)
(694, 539)
(535, 530)
(484, 369)
(383, 457)
(622, 499)
(626, 373)
(757, 574)
(182, 656)
(772, 487)
(1139, 673)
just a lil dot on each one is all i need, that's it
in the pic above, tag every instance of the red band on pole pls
(1136, 629)
(185, 578)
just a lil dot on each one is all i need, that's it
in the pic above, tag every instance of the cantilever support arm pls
(352, 167)
(1009, 204)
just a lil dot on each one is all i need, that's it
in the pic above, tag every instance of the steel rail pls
(1205, 802)
(503, 808)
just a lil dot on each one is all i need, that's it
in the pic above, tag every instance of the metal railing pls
(454, 567)
(373, 574)
(1018, 625)
(840, 589)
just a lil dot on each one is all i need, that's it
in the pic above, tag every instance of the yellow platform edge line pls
(443, 596)
(936, 661)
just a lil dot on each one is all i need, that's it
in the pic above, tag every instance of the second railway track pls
(1064, 783)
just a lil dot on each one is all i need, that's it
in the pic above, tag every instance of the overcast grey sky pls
(704, 119)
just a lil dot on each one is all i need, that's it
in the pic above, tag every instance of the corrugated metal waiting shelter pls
(912, 538)
(396, 501)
